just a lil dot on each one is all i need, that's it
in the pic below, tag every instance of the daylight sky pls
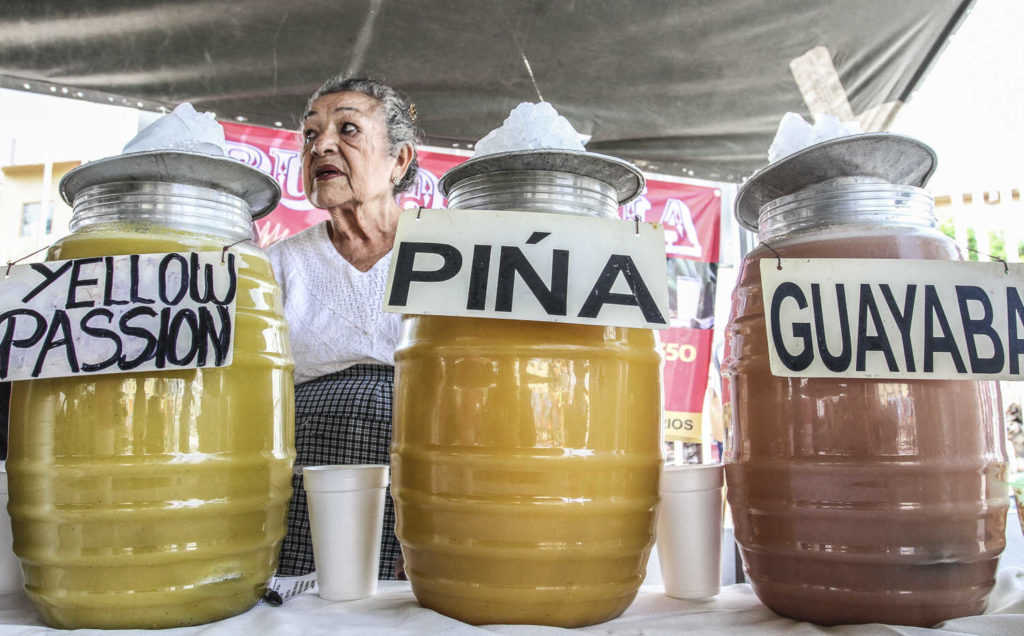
(970, 106)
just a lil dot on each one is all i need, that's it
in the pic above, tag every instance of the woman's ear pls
(402, 161)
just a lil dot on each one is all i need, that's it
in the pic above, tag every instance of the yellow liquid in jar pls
(525, 462)
(155, 500)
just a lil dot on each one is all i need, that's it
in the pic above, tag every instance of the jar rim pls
(894, 159)
(260, 191)
(842, 204)
(626, 178)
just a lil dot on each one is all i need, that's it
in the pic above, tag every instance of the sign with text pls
(117, 314)
(687, 353)
(529, 266)
(879, 318)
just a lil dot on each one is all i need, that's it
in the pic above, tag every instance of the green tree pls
(948, 228)
(997, 245)
(972, 245)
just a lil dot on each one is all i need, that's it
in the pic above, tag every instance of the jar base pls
(838, 604)
(558, 612)
(201, 610)
(844, 612)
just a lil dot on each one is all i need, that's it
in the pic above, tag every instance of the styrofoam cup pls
(690, 530)
(346, 512)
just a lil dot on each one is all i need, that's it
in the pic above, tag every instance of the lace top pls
(333, 310)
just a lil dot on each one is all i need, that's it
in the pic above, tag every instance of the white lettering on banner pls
(885, 318)
(680, 232)
(117, 314)
(250, 155)
(424, 193)
(288, 172)
(673, 351)
(637, 208)
(529, 266)
(282, 164)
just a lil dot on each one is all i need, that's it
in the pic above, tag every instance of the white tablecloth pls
(394, 611)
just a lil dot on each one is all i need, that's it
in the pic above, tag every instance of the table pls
(394, 611)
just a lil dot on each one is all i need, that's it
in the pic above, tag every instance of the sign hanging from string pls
(118, 314)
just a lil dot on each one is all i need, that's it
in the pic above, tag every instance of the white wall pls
(41, 129)
(36, 128)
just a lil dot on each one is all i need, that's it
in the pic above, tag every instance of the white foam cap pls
(182, 129)
(531, 126)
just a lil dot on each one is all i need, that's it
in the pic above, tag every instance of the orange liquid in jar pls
(859, 501)
(525, 461)
(155, 500)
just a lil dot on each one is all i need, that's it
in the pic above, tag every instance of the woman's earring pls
(395, 180)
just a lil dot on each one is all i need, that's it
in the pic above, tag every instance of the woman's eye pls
(308, 135)
(349, 128)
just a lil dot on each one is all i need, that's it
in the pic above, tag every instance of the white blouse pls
(333, 310)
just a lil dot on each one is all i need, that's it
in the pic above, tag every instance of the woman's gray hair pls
(399, 115)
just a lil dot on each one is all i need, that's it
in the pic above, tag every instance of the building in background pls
(987, 225)
(32, 214)
(42, 137)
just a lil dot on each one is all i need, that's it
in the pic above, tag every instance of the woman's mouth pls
(324, 173)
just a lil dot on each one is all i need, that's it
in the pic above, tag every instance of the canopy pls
(681, 87)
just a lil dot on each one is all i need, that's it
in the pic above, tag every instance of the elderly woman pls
(359, 151)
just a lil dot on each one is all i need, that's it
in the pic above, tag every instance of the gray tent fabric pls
(690, 87)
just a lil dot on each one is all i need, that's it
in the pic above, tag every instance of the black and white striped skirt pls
(341, 418)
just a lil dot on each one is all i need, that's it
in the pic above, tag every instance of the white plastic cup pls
(346, 512)
(690, 530)
(10, 567)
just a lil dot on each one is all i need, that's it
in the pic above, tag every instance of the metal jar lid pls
(627, 180)
(894, 159)
(260, 191)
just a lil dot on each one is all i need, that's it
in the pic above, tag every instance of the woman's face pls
(345, 151)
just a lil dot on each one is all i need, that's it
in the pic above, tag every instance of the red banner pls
(687, 353)
(689, 212)
(278, 153)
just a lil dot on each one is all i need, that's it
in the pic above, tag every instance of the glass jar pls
(157, 499)
(525, 455)
(859, 501)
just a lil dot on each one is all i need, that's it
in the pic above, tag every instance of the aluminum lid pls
(893, 158)
(626, 178)
(258, 189)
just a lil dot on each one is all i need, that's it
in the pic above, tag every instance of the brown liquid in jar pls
(856, 500)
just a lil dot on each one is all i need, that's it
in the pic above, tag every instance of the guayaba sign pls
(866, 318)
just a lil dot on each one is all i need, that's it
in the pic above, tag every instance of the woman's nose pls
(325, 143)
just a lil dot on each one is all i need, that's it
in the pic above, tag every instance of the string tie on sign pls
(224, 252)
(11, 264)
(1006, 266)
(777, 256)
